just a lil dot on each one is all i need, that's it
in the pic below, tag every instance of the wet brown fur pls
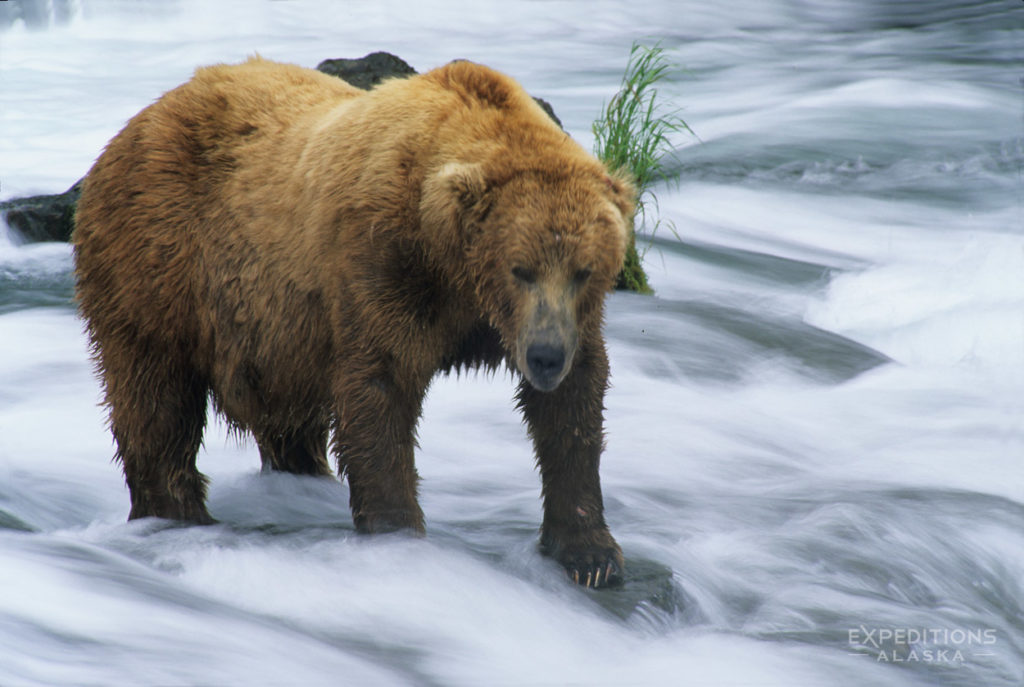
(310, 255)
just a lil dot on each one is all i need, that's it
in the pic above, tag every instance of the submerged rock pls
(42, 218)
(650, 598)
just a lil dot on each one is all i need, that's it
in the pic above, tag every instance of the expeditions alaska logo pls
(922, 645)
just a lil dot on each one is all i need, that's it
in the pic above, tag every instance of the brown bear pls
(309, 255)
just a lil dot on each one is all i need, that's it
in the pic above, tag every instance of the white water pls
(782, 498)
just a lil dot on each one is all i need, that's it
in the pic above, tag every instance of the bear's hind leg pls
(157, 413)
(301, 452)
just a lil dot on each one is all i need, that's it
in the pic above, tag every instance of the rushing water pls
(815, 459)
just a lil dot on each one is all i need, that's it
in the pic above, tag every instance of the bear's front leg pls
(566, 427)
(374, 438)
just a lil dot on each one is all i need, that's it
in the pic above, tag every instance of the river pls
(815, 456)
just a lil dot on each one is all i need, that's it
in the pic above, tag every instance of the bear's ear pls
(455, 196)
(456, 200)
(465, 181)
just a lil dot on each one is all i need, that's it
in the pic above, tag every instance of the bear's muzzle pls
(546, 365)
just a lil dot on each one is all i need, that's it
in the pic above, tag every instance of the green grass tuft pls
(632, 135)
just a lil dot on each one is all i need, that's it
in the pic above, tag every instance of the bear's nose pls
(545, 362)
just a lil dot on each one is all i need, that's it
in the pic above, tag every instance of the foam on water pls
(960, 304)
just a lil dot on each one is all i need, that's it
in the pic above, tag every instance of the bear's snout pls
(547, 339)
(545, 363)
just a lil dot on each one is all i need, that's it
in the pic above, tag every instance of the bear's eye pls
(524, 274)
(581, 276)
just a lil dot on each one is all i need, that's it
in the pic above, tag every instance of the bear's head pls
(540, 248)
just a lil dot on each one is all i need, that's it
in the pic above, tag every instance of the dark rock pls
(43, 218)
(366, 72)
(546, 106)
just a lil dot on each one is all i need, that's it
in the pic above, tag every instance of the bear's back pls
(229, 105)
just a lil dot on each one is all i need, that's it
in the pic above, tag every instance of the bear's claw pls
(591, 558)
(594, 577)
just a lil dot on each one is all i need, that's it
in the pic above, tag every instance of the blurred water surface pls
(815, 459)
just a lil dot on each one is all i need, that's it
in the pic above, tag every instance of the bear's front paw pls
(591, 559)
